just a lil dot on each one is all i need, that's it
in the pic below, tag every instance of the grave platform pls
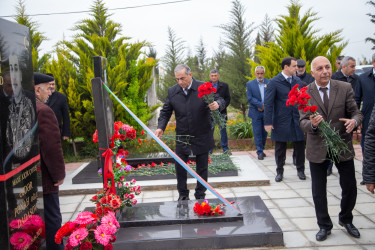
(174, 225)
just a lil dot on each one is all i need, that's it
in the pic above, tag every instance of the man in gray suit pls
(335, 102)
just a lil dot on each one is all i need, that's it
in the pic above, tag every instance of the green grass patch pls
(219, 163)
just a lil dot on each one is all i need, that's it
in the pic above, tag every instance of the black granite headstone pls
(103, 108)
(19, 151)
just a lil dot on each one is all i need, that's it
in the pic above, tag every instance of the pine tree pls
(237, 33)
(369, 39)
(266, 31)
(128, 73)
(36, 37)
(172, 58)
(296, 37)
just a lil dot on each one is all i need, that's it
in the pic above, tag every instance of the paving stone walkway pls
(289, 201)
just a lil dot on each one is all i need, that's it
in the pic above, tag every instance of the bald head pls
(321, 70)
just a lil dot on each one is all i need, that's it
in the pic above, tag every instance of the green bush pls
(241, 129)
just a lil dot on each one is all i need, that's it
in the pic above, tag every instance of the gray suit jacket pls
(341, 105)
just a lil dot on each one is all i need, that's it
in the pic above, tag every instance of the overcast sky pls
(195, 19)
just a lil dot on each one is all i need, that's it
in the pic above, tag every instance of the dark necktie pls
(289, 79)
(325, 97)
(186, 91)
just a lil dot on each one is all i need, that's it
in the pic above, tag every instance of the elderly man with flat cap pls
(51, 159)
(305, 77)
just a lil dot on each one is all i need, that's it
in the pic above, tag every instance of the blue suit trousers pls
(260, 134)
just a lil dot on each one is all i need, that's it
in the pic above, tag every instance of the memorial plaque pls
(21, 226)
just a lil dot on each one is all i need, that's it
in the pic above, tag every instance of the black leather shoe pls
(260, 156)
(362, 183)
(329, 171)
(227, 152)
(279, 177)
(200, 197)
(264, 155)
(301, 175)
(322, 234)
(351, 229)
(183, 198)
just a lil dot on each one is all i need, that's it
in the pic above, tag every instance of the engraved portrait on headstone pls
(21, 222)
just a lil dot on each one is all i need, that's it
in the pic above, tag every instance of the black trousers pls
(319, 191)
(201, 169)
(280, 155)
(53, 220)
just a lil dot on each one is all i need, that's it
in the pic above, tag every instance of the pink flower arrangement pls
(87, 231)
(20, 240)
(84, 218)
(27, 233)
(77, 236)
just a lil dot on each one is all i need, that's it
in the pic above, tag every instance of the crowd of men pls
(345, 100)
(338, 96)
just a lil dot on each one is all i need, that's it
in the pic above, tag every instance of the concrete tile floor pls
(289, 202)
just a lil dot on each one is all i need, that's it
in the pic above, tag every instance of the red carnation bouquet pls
(205, 209)
(207, 91)
(333, 141)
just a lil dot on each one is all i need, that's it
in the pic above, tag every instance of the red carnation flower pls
(95, 137)
(313, 108)
(306, 109)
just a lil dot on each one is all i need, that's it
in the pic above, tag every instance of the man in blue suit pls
(283, 120)
(255, 97)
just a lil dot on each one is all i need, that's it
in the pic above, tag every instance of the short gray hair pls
(181, 67)
(260, 67)
(373, 57)
(345, 60)
(214, 71)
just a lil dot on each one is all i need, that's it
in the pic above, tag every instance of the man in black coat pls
(59, 104)
(346, 74)
(305, 77)
(283, 120)
(365, 95)
(222, 91)
(192, 118)
(368, 172)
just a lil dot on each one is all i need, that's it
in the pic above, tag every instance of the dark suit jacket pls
(285, 120)
(51, 156)
(59, 104)
(306, 78)
(254, 98)
(341, 105)
(338, 75)
(223, 91)
(192, 118)
(365, 92)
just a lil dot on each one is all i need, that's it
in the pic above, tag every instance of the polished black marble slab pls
(167, 213)
(257, 229)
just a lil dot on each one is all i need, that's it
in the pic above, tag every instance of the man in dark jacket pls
(346, 74)
(305, 77)
(192, 118)
(59, 104)
(283, 120)
(51, 159)
(368, 172)
(365, 95)
(222, 91)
